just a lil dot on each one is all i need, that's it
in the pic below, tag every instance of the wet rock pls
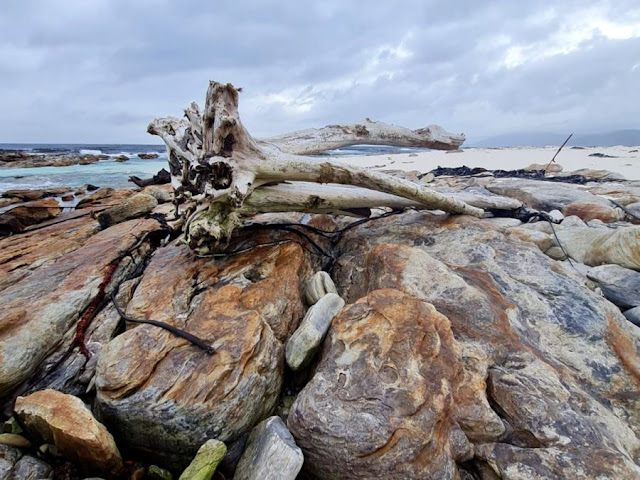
(270, 454)
(67, 198)
(555, 359)
(319, 285)
(594, 211)
(204, 464)
(121, 158)
(31, 468)
(633, 315)
(164, 397)
(620, 285)
(307, 339)
(147, 156)
(380, 404)
(138, 205)
(601, 246)
(64, 420)
(19, 218)
(36, 194)
(26, 160)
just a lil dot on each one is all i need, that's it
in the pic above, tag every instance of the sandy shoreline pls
(626, 162)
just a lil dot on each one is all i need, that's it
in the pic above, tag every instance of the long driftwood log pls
(225, 174)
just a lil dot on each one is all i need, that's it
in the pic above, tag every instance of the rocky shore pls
(415, 345)
(22, 159)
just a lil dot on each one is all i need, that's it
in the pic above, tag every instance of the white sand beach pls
(626, 160)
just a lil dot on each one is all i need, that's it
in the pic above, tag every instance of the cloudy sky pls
(97, 71)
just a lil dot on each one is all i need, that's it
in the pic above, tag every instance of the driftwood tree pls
(226, 175)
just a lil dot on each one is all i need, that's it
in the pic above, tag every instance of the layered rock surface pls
(380, 402)
(165, 397)
(545, 359)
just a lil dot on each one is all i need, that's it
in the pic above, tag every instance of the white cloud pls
(78, 71)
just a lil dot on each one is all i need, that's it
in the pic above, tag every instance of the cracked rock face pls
(550, 370)
(380, 404)
(47, 279)
(165, 397)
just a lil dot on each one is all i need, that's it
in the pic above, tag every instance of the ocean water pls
(109, 173)
(105, 173)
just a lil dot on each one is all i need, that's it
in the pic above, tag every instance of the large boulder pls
(549, 368)
(620, 285)
(164, 397)
(380, 404)
(20, 217)
(542, 195)
(48, 278)
(600, 246)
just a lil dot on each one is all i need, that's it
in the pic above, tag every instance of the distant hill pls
(629, 138)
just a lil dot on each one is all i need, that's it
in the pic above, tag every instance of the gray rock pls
(271, 453)
(572, 221)
(633, 315)
(555, 359)
(542, 195)
(601, 246)
(503, 223)
(634, 209)
(138, 205)
(318, 286)
(9, 456)
(31, 468)
(307, 339)
(619, 285)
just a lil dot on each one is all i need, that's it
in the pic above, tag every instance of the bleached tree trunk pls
(216, 164)
(318, 140)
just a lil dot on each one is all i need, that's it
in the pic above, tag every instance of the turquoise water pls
(109, 173)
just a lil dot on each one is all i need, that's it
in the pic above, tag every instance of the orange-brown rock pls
(550, 360)
(593, 210)
(64, 421)
(20, 217)
(47, 279)
(165, 397)
(381, 401)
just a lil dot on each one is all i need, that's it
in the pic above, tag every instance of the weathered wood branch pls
(216, 164)
(318, 140)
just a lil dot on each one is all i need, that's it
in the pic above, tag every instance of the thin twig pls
(554, 157)
(198, 342)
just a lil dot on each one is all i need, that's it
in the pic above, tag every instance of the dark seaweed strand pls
(198, 342)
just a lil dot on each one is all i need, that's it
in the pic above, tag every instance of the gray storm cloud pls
(98, 71)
